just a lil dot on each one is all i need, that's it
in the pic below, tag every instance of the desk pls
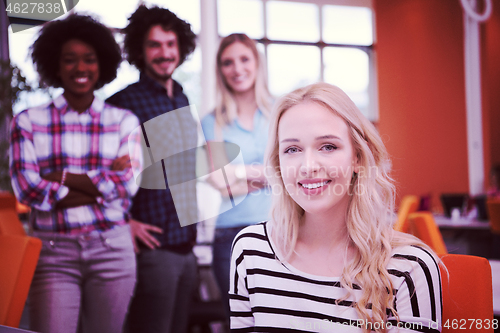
(444, 222)
(495, 275)
(467, 236)
(7, 329)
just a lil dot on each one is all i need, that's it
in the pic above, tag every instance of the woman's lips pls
(314, 187)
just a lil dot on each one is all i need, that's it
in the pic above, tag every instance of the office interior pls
(437, 110)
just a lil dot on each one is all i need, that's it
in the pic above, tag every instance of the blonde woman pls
(328, 259)
(240, 117)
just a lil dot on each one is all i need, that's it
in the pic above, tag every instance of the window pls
(304, 42)
(310, 41)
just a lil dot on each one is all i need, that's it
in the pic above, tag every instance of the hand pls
(218, 181)
(141, 231)
(53, 176)
(121, 163)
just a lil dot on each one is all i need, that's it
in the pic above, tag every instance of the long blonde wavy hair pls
(369, 215)
(226, 110)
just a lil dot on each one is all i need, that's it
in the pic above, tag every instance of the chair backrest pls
(467, 294)
(493, 205)
(423, 226)
(7, 200)
(408, 205)
(18, 260)
(10, 223)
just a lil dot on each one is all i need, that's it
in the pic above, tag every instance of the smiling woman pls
(315, 145)
(240, 117)
(63, 165)
(79, 72)
(329, 257)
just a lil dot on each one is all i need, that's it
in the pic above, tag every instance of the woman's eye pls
(244, 59)
(329, 147)
(226, 63)
(291, 150)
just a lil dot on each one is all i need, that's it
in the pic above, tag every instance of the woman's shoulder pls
(413, 257)
(249, 236)
(38, 112)
(208, 125)
(208, 118)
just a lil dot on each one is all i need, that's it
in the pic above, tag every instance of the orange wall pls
(420, 66)
(491, 87)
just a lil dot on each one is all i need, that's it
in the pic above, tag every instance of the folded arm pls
(45, 192)
(242, 179)
(119, 181)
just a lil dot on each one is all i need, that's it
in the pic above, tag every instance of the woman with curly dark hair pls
(67, 164)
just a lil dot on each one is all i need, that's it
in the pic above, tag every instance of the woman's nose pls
(309, 165)
(238, 67)
(81, 65)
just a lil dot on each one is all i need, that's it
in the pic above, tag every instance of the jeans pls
(166, 282)
(223, 240)
(87, 277)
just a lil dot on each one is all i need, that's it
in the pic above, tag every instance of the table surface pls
(7, 329)
(495, 275)
(460, 223)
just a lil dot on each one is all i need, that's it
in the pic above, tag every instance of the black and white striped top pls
(269, 296)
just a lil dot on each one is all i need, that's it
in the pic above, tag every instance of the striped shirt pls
(269, 296)
(54, 137)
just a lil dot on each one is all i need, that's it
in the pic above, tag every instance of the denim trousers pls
(83, 280)
(166, 282)
(223, 239)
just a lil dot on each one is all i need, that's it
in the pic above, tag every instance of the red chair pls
(467, 294)
(18, 260)
(7, 200)
(10, 223)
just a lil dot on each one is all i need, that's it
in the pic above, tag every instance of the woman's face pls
(316, 157)
(78, 68)
(238, 67)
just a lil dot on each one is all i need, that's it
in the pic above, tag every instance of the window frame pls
(373, 113)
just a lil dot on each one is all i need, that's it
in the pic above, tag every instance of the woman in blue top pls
(240, 117)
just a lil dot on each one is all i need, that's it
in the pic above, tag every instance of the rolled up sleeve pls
(29, 187)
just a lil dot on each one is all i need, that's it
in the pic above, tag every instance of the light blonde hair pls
(226, 109)
(369, 215)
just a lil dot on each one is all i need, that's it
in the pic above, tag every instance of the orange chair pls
(7, 200)
(493, 205)
(423, 226)
(10, 223)
(467, 294)
(10, 209)
(409, 204)
(18, 260)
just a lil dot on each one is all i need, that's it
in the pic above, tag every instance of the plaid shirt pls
(148, 99)
(53, 137)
